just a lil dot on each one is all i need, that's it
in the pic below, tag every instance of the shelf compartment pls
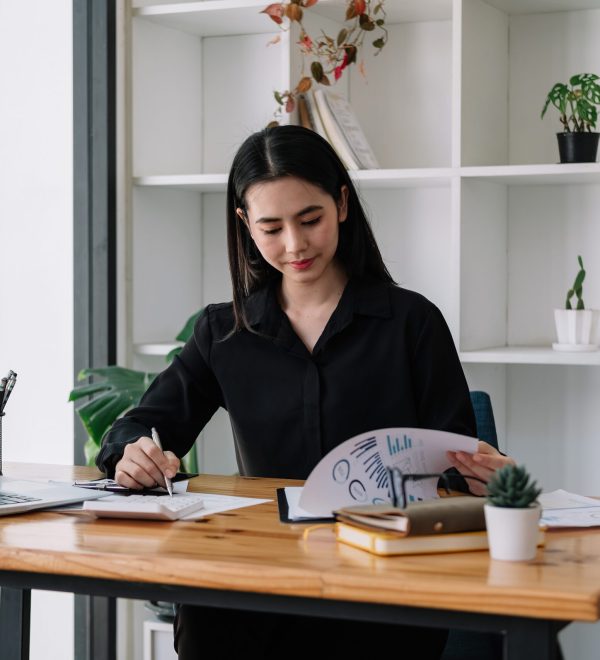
(159, 348)
(512, 53)
(365, 179)
(528, 355)
(213, 18)
(192, 182)
(529, 175)
(542, 6)
(405, 178)
(226, 17)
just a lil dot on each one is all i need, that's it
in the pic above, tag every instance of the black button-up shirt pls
(386, 358)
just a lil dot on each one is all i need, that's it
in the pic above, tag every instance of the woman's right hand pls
(144, 465)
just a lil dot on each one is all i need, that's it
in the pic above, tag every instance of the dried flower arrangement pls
(330, 56)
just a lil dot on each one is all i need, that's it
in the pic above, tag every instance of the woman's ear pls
(343, 204)
(244, 218)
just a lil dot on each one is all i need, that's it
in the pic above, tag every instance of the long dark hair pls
(293, 151)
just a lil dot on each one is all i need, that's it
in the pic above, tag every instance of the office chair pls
(484, 417)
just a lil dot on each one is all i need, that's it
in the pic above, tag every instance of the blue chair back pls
(484, 418)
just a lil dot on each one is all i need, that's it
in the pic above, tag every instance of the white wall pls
(36, 234)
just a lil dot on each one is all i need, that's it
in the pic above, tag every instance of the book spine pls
(304, 114)
(336, 137)
(314, 117)
(348, 125)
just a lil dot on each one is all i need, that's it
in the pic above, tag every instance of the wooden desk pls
(247, 559)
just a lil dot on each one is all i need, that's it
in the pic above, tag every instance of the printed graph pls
(397, 445)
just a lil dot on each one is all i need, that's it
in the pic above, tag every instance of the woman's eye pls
(312, 222)
(270, 232)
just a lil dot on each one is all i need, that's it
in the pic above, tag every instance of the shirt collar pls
(367, 298)
(372, 298)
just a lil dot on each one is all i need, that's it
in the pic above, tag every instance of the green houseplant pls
(576, 103)
(512, 514)
(575, 327)
(116, 391)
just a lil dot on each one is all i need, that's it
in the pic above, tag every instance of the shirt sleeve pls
(443, 397)
(441, 390)
(178, 403)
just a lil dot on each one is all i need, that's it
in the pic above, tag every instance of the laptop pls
(20, 495)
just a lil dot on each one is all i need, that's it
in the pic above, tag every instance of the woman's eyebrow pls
(304, 211)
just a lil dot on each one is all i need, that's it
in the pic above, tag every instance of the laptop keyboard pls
(15, 498)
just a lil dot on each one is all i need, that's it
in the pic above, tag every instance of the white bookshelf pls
(469, 207)
(529, 355)
(158, 640)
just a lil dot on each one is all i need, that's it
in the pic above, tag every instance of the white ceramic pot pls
(576, 329)
(512, 533)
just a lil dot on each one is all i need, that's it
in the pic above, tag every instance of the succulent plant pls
(510, 487)
(577, 288)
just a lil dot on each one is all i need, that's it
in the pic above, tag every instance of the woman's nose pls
(295, 241)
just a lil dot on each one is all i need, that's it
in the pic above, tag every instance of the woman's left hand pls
(482, 464)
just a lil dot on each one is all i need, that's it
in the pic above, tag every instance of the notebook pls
(20, 495)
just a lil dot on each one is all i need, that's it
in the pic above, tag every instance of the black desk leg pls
(15, 607)
(95, 627)
(532, 639)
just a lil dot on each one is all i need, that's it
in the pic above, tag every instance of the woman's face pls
(295, 226)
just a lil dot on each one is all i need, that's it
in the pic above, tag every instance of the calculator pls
(151, 507)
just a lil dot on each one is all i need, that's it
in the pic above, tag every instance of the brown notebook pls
(440, 516)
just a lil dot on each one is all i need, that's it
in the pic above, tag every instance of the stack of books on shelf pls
(451, 524)
(332, 117)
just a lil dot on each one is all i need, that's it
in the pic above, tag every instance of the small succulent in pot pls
(577, 288)
(510, 487)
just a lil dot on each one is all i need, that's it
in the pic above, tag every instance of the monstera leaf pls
(184, 335)
(118, 390)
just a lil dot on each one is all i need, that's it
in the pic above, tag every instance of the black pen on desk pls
(157, 442)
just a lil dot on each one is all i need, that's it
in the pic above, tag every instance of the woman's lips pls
(303, 264)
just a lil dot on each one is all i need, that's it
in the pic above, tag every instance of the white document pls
(219, 503)
(355, 471)
(563, 509)
(295, 511)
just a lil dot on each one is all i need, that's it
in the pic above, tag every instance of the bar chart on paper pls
(355, 471)
(397, 445)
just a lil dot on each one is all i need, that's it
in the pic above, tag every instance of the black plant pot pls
(577, 147)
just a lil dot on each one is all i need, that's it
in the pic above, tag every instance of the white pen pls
(158, 444)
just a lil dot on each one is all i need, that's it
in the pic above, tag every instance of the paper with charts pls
(354, 472)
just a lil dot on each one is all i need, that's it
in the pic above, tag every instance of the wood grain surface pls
(250, 550)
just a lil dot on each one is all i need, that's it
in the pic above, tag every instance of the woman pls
(317, 346)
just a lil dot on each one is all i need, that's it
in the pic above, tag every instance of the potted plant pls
(512, 514)
(575, 327)
(576, 103)
(119, 390)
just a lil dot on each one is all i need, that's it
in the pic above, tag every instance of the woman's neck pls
(325, 292)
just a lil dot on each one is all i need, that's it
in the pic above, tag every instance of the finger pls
(136, 453)
(123, 479)
(492, 462)
(465, 470)
(148, 475)
(486, 448)
(172, 466)
(475, 486)
(467, 461)
(156, 455)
